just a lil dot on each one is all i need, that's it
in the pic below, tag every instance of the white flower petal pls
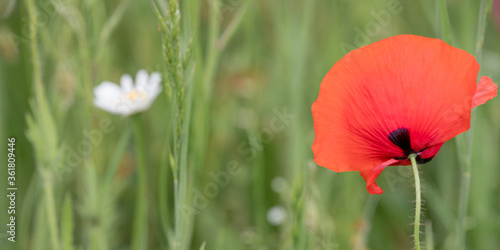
(127, 83)
(155, 78)
(153, 93)
(124, 107)
(141, 79)
(106, 95)
(107, 90)
(106, 106)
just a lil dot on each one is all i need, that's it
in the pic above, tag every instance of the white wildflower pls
(276, 215)
(128, 98)
(279, 184)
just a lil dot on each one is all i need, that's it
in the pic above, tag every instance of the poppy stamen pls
(401, 138)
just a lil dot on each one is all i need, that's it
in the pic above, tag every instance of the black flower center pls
(401, 138)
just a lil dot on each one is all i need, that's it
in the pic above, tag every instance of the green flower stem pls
(418, 201)
(140, 214)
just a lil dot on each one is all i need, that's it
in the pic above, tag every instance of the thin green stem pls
(51, 211)
(35, 55)
(140, 216)
(418, 201)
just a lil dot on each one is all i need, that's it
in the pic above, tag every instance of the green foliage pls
(230, 138)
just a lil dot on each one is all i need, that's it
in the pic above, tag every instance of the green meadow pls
(222, 159)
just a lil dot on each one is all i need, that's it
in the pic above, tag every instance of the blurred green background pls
(255, 70)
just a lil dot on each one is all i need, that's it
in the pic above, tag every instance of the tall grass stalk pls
(465, 141)
(179, 74)
(35, 56)
(42, 129)
(177, 82)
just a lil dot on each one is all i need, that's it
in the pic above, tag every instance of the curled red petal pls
(485, 91)
(371, 174)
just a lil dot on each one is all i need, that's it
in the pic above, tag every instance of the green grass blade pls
(202, 247)
(484, 13)
(112, 22)
(232, 27)
(67, 224)
(429, 236)
(443, 21)
(117, 154)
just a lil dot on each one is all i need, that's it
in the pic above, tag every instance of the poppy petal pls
(403, 82)
(400, 95)
(370, 175)
(428, 153)
(485, 90)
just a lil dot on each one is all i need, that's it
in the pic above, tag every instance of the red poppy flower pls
(380, 103)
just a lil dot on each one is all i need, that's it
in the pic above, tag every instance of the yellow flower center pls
(136, 95)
